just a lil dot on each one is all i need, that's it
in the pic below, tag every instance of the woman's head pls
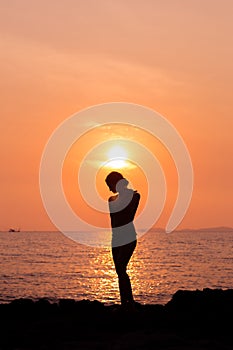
(115, 178)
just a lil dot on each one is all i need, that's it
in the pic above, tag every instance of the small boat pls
(13, 230)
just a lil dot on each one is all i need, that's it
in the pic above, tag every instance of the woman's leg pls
(121, 257)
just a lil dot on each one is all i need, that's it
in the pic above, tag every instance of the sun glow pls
(117, 164)
(117, 152)
(117, 156)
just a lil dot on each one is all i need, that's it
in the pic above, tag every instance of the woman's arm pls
(126, 215)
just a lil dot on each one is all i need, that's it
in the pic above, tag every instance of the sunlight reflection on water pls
(42, 264)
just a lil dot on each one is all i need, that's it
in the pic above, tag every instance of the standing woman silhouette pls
(122, 207)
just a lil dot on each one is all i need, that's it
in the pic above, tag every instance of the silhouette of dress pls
(122, 209)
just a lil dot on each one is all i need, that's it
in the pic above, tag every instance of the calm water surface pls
(48, 264)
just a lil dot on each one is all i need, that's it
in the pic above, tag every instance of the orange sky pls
(58, 57)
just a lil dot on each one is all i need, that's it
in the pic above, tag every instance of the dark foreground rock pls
(191, 320)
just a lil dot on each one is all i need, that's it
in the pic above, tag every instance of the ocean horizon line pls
(153, 229)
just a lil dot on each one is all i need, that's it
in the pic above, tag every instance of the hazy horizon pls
(152, 229)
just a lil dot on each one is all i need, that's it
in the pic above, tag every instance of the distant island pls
(211, 229)
(202, 229)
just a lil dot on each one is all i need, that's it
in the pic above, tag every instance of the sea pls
(50, 265)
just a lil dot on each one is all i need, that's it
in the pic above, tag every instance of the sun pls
(117, 164)
(117, 152)
(117, 158)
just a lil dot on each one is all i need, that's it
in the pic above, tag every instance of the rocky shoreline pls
(190, 320)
